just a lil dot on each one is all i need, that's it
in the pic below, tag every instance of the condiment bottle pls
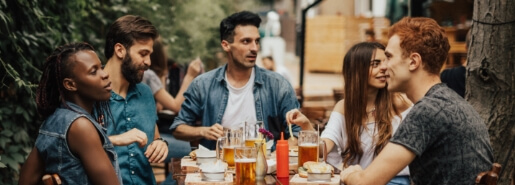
(282, 157)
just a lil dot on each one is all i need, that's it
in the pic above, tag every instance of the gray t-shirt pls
(151, 79)
(449, 138)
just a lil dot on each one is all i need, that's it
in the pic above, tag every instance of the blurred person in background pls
(157, 75)
(269, 63)
(455, 77)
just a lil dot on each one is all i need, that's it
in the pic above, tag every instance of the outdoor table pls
(188, 172)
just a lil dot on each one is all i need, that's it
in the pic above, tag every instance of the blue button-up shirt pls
(137, 110)
(207, 96)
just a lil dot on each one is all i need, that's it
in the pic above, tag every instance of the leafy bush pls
(29, 30)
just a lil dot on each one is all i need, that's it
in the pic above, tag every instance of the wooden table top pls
(189, 175)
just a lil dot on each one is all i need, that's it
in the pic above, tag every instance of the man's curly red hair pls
(423, 36)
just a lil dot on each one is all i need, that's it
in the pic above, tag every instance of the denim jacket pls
(207, 96)
(52, 145)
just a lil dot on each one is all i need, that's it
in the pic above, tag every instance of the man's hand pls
(129, 137)
(347, 171)
(294, 116)
(157, 151)
(212, 132)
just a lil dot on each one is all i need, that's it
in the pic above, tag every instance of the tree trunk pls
(490, 85)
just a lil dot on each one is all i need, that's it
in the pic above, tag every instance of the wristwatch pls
(160, 138)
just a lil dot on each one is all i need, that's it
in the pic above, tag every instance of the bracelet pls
(162, 140)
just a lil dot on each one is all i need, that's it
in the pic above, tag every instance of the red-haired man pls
(443, 139)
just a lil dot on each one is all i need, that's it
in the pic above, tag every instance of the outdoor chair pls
(51, 179)
(489, 177)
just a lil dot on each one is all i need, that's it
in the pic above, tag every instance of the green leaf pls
(4, 141)
(26, 116)
(10, 162)
(17, 157)
(2, 165)
(4, 4)
(19, 110)
(21, 137)
(7, 110)
(13, 149)
(6, 123)
(6, 133)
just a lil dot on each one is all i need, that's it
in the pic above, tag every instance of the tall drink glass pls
(232, 138)
(308, 146)
(252, 134)
(245, 159)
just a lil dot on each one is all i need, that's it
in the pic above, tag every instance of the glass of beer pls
(252, 134)
(245, 159)
(232, 138)
(308, 146)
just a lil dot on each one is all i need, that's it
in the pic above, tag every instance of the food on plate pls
(315, 167)
(193, 154)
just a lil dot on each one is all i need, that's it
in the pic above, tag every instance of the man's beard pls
(130, 71)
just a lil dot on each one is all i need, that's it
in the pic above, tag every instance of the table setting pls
(243, 156)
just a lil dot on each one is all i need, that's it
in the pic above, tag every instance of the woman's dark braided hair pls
(50, 92)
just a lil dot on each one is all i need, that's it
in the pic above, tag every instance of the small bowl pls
(212, 176)
(201, 160)
(319, 177)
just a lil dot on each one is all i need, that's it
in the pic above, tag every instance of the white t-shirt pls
(335, 131)
(240, 106)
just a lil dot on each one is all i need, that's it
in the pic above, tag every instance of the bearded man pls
(134, 132)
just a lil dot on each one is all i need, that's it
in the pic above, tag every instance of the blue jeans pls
(400, 180)
(176, 149)
(169, 181)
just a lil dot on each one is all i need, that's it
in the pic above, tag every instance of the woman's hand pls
(294, 116)
(195, 68)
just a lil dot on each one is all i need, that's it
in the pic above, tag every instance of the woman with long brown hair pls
(364, 121)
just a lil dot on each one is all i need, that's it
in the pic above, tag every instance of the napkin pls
(217, 166)
(204, 152)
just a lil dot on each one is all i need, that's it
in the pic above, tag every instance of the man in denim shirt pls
(134, 133)
(236, 92)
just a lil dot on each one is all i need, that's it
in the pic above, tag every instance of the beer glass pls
(252, 134)
(245, 159)
(308, 146)
(232, 138)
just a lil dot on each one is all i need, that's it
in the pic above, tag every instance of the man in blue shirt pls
(134, 132)
(236, 92)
